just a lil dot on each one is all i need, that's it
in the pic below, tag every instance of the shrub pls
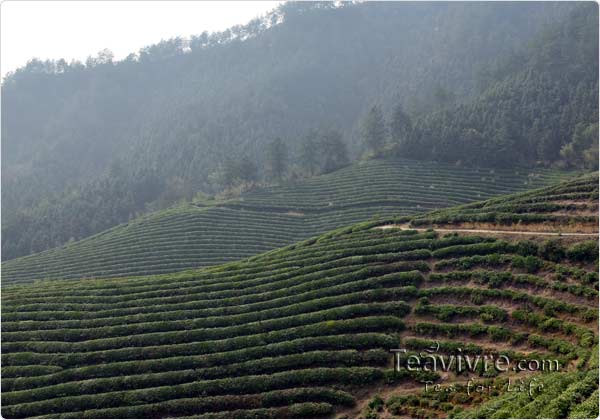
(552, 250)
(530, 263)
(526, 248)
(583, 251)
(376, 403)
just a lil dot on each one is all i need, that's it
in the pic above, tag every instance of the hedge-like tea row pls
(495, 279)
(268, 403)
(240, 384)
(253, 367)
(565, 395)
(30, 380)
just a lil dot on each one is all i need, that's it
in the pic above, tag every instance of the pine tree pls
(248, 172)
(334, 150)
(277, 159)
(374, 130)
(400, 126)
(309, 159)
(229, 173)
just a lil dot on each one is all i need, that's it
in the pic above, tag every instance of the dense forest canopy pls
(544, 110)
(298, 92)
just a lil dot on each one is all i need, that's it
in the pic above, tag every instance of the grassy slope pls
(296, 332)
(190, 236)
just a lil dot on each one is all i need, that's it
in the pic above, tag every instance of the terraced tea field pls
(191, 236)
(572, 395)
(306, 330)
(567, 207)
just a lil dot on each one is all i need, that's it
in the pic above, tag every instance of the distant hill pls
(192, 236)
(541, 106)
(305, 331)
(88, 146)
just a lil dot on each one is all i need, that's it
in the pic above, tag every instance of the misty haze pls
(231, 210)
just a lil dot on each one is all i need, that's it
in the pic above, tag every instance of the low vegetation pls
(569, 207)
(303, 330)
(208, 233)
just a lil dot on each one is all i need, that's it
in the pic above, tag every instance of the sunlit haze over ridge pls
(78, 29)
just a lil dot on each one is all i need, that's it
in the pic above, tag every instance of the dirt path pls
(509, 232)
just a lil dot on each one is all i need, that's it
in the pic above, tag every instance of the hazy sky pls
(77, 29)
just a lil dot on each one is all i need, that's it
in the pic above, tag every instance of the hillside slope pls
(190, 236)
(542, 106)
(306, 330)
(86, 146)
(273, 77)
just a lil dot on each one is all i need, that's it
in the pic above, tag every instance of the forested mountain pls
(542, 108)
(88, 146)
